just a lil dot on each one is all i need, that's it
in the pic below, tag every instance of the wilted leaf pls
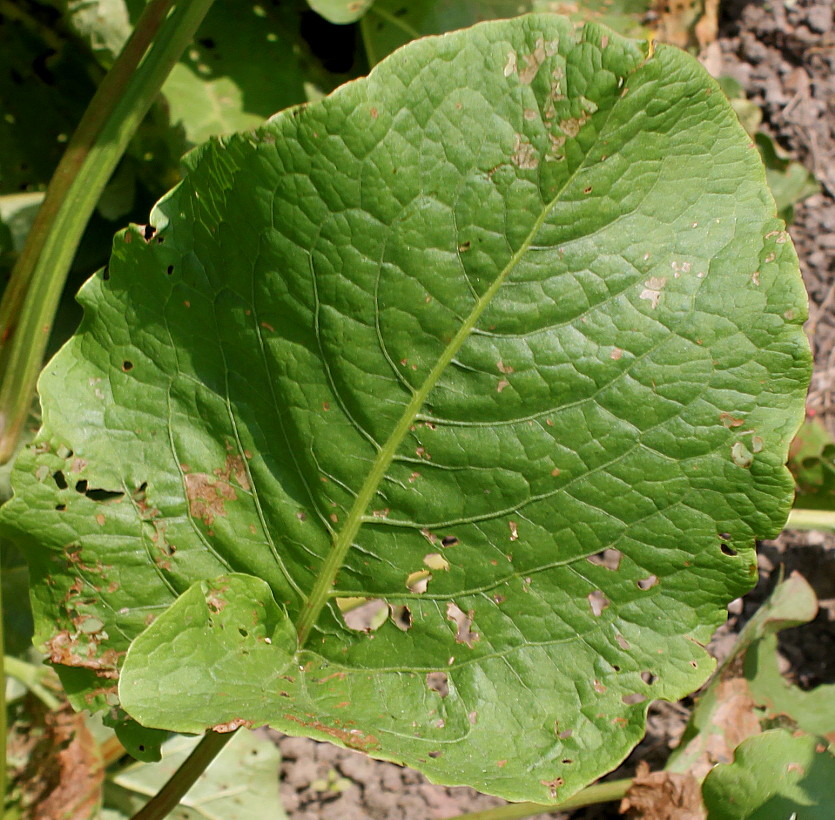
(774, 776)
(376, 330)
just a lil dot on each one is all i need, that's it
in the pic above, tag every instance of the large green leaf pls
(505, 337)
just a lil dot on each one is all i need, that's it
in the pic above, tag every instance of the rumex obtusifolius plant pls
(502, 343)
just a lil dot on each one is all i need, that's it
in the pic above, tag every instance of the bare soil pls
(783, 54)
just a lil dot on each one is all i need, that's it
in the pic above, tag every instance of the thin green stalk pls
(31, 298)
(366, 42)
(823, 520)
(31, 677)
(591, 796)
(167, 798)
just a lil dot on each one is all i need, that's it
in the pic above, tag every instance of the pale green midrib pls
(320, 593)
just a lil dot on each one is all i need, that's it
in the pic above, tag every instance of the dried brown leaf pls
(663, 796)
(60, 774)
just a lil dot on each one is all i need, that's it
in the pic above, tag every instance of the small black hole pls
(141, 747)
(105, 273)
(449, 541)
(149, 232)
(102, 495)
(60, 507)
(728, 549)
(244, 633)
(567, 760)
(169, 270)
(81, 486)
(126, 365)
(60, 481)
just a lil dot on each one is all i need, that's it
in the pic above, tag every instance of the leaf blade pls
(365, 266)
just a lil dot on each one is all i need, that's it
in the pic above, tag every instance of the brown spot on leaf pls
(418, 582)
(352, 738)
(207, 495)
(553, 786)
(363, 614)
(598, 602)
(729, 421)
(463, 622)
(524, 154)
(81, 650)
(438, 682)
(232, 725)
(401, 617)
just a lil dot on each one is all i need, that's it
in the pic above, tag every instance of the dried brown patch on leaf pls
(207, 494)
(61, 771)
(232, 725)
(352, 738)
(663, 796)
(688, 23)
(463, 622)
(732, 720)
(82, 650)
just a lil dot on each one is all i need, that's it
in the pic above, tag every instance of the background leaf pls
(340, 11)
(726, 712)
(221, 84)
(558, 360)
(241, 783)
(812, 462)
(774, 776)
(390, 24)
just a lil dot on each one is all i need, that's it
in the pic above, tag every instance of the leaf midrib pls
(321, 591)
